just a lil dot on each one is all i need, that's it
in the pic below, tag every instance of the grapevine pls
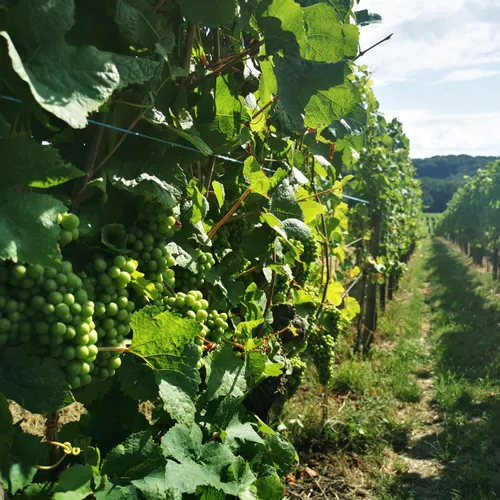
(171, 206)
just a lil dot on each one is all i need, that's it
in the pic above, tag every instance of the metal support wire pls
(168, 143)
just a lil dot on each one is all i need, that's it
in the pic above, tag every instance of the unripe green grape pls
(82, 352)
(69, 221)
(61, 279)
(65, 237)
(70, 333)
(5, 325)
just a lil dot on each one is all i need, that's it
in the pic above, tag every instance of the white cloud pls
(433, 133)
(468, 75)
(444, 34)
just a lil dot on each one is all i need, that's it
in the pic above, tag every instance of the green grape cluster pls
(294, 380)
(48, 307)
(310, 253)
(231, 235)
(322, 347)
(148, 244)
(69, 228)
(113, 309)
(217, 324)
(186, 280)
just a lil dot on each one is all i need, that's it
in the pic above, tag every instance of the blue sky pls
(440, 73)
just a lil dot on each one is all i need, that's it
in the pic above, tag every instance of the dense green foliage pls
(472, 216)
(441, 176)
(189, 267)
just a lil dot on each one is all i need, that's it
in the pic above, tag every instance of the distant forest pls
(441, 176)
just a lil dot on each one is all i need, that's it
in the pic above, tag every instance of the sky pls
(440, 73)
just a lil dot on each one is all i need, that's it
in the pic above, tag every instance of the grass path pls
(421, 418)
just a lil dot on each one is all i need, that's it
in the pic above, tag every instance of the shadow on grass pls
(466, 338)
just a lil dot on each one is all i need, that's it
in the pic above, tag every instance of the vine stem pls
(326, 243)
(233, 209)
(51, 435)
(248, 271)
(188, 48)
(89, 168)
(122, 139)
(363, 52)
(321, 193)
(270, 295)
(261, 110)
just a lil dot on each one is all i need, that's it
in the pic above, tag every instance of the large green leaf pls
(27, 163)
(230, 112)
(152, 486)
(110, 491)
(70, 82)
(209, 13)
(161, 336)
(313, 94)
(28, 227)
(178, 385)
(196, 464)
(74, 483)
(315, 33)
(282, 452)
(327, 39)
(284, 204)
(37, 384)
(155, 181)
(225, 374)
(135, 458)
(238, 431)
(20, 467)
(137, 380)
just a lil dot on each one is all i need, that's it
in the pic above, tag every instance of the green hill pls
(441, 176)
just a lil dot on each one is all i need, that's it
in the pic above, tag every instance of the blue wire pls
(168, 143)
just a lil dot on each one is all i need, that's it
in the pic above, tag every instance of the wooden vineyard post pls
(383, 289)
(392, 287)
(494, 260)
(370, 321)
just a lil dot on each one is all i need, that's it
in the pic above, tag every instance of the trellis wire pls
(169, 143)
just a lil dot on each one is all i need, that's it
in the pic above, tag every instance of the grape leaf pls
(311, 209)
(219, 192)
(37, 384)
(178, 385)
(27, 163)
(152, 486)
(80, 79)
(37, 491)
(313, 94)
(334, 293)
(270, 487)
(282, 452)
(20, 468)
(283, 203)
(110, 491)
(327, 39)
(74, 483)
(259, 182)
(135, 458)
(225, 374)
(160, 335)
(198, 464)
(137, 380)
(28, 227)
(230, 110)
(209, 13)
(238, 431)
(160, 182)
